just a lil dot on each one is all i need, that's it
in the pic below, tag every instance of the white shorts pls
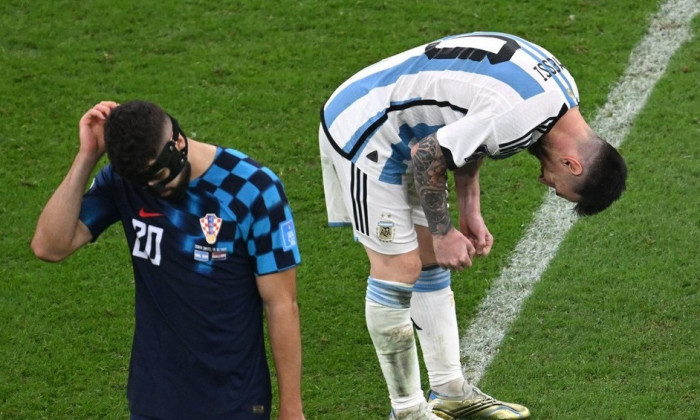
(382, 215)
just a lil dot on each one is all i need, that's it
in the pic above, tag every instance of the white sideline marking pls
(669, 29)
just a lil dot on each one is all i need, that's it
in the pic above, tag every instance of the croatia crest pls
(210, 226)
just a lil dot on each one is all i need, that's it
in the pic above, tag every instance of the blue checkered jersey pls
(483, 94)
(198, 350)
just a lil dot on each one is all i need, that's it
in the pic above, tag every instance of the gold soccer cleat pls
(477, 406)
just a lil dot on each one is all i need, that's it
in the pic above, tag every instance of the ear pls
(573, 164)
(180, 143)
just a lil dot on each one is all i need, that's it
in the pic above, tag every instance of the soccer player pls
(212, 245)
(388, 137)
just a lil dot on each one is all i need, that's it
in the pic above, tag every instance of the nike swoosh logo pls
(143, 213)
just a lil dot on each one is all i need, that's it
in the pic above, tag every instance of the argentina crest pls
(385, 230)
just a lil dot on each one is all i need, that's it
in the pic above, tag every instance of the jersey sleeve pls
(501, 134)
(461, 139)
(99, 210)
(273, 242)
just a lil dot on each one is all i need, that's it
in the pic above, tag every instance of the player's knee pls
(404, 268)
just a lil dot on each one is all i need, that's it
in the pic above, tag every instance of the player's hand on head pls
(92, 128)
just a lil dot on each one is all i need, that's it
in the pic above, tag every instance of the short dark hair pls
(604, 182)
(134, 136)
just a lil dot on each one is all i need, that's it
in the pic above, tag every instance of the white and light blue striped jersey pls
(483, 93)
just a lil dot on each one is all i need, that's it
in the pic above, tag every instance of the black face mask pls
(176, 192)
(172, 159)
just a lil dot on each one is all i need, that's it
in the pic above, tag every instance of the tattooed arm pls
(452, 249)
(431, 178)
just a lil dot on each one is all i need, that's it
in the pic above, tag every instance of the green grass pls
(610, 331)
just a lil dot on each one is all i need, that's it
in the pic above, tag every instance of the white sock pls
(391, 330)
(433, 312)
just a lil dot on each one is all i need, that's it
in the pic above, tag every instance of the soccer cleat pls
(476, 406)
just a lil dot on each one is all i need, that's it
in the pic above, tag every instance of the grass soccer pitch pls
(607, 328)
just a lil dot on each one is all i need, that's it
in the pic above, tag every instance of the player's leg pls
(433, 312)
(381, 222)
(434, 315)
(391, 246)
(387, 314)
